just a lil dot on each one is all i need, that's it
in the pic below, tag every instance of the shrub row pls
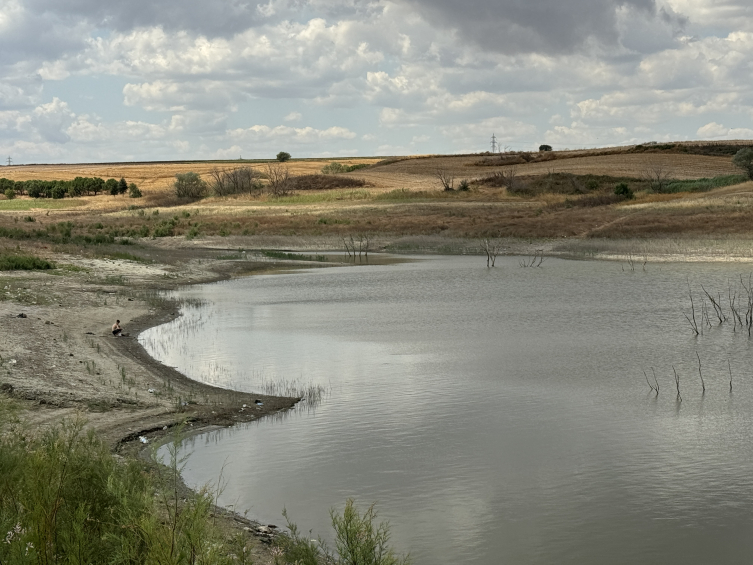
(79, 186)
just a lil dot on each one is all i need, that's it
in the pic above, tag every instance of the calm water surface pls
(495, 415)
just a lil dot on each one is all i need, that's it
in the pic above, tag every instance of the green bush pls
(189, 185)
(359, 540)
(133, 191)
(623, 189)
(464, 186)
(743, 159)
(283, 156)
(64, 499)
(21, 262)
(10, 194)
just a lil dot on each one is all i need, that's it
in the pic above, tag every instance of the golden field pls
(403, 196)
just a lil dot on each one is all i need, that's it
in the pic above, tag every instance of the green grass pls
(23, 262)
(705, 184)
(292, 256)
(42, 203)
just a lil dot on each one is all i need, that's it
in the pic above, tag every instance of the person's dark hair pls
(117, 321)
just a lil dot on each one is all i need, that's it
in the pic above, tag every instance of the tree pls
(283, 156)
(446, 178)
(743, 159)
(10, 194)
(122, 186)
(133, 191)
(545, 147)
(95, 185)
(280, 181)
(657, 176)
(78, 186)
(189, 185)
(111, 186)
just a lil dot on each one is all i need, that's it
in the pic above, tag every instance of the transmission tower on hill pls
(494, 143)
(10, 161)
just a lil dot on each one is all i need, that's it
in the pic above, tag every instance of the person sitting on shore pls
(116, 329)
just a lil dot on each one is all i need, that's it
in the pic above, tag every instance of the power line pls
(10, 161)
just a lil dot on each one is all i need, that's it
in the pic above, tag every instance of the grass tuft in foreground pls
(21, 262)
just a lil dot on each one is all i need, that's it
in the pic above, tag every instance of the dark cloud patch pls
(524, 26)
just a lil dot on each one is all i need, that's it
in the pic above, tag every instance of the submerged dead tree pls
(691, 319)
(492, 249)
(700, 374)
(677, 384)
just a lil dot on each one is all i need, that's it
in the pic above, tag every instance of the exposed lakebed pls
(495, 415)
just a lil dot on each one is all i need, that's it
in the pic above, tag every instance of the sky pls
(124, 80)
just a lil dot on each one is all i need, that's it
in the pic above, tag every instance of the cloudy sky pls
(102, 80)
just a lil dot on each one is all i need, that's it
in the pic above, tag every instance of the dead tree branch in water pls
(729, 366)
(677, 384)
(716, 305)
(535, 261)
(691, 319)
(700, 374)
(655, 381)
(492, 249)
(652, 387)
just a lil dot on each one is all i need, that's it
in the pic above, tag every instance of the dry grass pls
(405, 197)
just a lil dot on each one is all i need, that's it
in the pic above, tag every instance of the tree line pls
(80, 186)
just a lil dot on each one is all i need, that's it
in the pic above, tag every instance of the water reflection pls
(496, 415)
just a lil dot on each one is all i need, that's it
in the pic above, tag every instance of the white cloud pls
(293, 117)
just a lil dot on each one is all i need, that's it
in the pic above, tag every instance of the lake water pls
(494, 415)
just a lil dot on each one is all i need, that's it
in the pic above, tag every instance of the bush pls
(358, 541)
(235, 181)
(545, 147)
(189, 185)
(623, 189)
(333, 168)
(10, 194)
(133, 191)
(64, 499)
(283, 156)
(20, 262)
(325, 182)
(743, 159)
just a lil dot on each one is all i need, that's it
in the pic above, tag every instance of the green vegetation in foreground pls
(64, 499)
(10, 261)
(705, 184)
(40, 203)
(292, 256)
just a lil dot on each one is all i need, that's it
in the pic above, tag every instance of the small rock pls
(150, 391)
(21, 315)
(142, 439)
(12, 361)
(164, 427)
(89, 333)
(47, 323)
(70, 355)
